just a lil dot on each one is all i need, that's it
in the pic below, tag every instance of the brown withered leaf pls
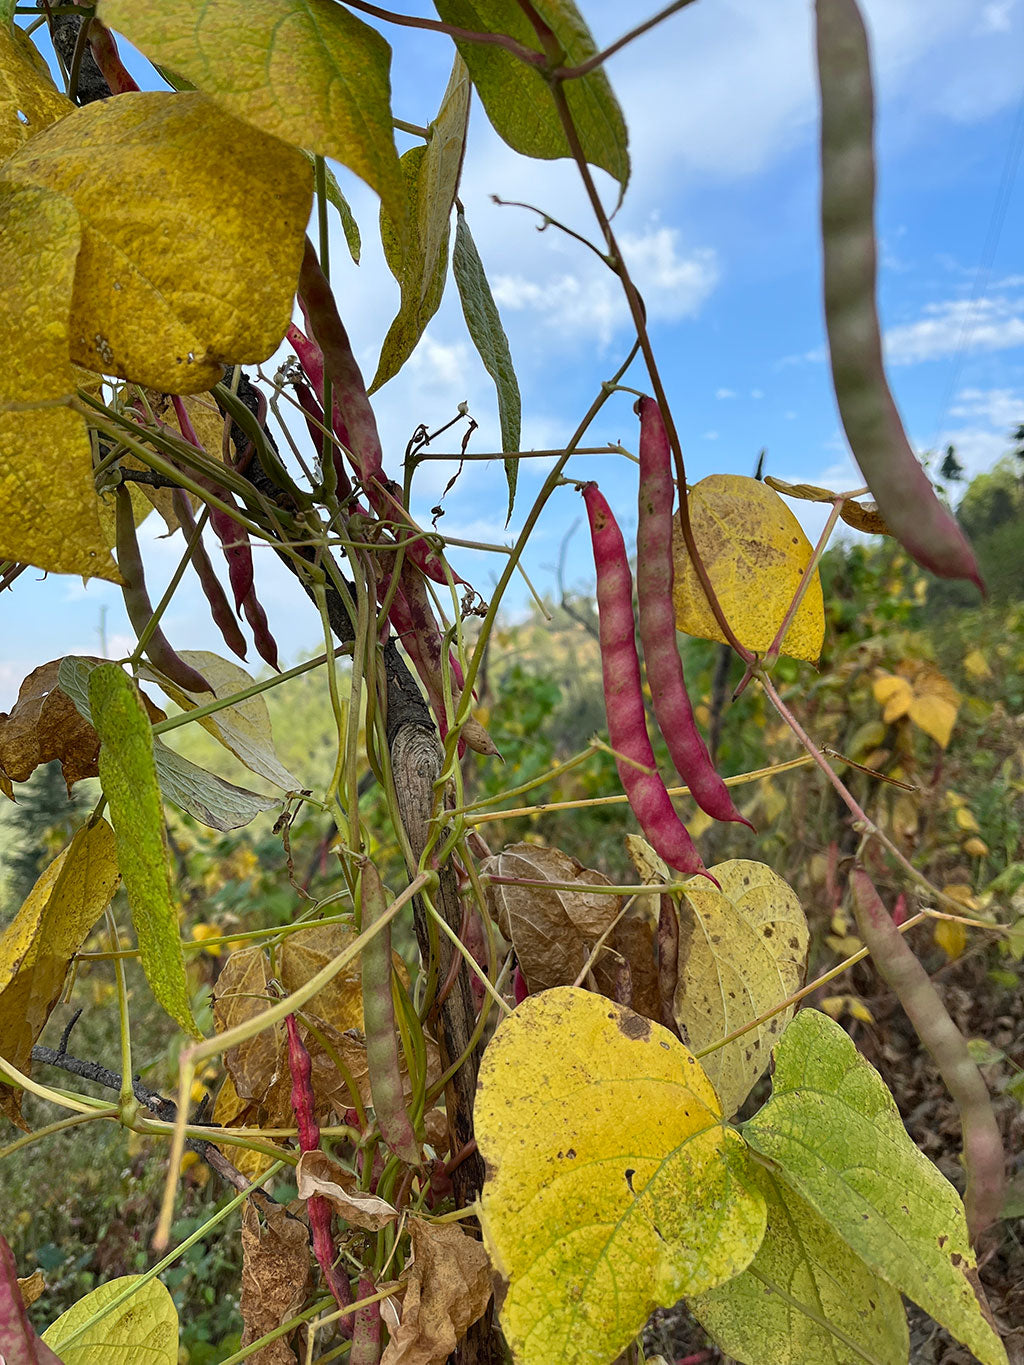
(316, 1173)
(865, 516)
(303, 954)
(241, 995)
(552, 930)
(448, 1289)
(627, 970)
(44, 725)
(276, 1277)
(806, 492)
(32, 1287)
(435, 1126)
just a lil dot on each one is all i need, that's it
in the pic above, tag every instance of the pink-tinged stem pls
(899, 968)
(623, 697)
(656, 610)
(301, 1066)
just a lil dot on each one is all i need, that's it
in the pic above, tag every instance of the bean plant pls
(518, 1137)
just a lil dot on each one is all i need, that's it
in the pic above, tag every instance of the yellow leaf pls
(951, 937)
(37, 946)
(935, 704)
(960, 891)
(613, 1185)
(894, 695)
(965, 820)
(755, 553)
(741, 951)
(975, 847)
(29, 100)
(306, 71)
(144, 1327)
(176, 282)
(49, 511)
(976, 665)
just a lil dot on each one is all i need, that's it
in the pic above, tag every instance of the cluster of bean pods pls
(620, 662)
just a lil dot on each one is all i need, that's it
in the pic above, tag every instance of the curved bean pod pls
(623, 698)
(379, 1024)
(220, 607)
(366, 1331)
(138, 605)
(656, 613)
(869, 415)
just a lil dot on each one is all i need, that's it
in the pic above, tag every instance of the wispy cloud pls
(995, 323)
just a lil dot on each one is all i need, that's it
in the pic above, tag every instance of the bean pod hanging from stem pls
(870, 418)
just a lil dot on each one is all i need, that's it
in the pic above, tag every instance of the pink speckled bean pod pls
(623, 698)
(869, 414)
(220, 607)
(656, 613)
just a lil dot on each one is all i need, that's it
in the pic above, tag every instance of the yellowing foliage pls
(755, 553)
(920, 692)
(612, 1185)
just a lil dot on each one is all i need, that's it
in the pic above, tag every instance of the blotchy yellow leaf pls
(36, 948)
(976, 664)
(755, 553)
(143, 1328)
(894, 695)
(29, 100)
(306, 71)
(189, 263)
(49, 511)
(612, 1185)
(742, 950)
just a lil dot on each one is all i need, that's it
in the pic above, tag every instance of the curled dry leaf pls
(552, 930)
(32, 1287)
(865, 516)
(448, 1289)
(45, 724)
(316, 1173)
(276, 1277)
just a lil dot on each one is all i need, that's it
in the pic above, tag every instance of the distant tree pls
(951, 469)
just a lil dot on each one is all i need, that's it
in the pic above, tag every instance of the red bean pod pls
(379, 1026)
(623, 697)
(266, 645)
(366, 1332)
(220, 607)
(656, 612)
(320, 1216)
(138, 605)
(905, 496)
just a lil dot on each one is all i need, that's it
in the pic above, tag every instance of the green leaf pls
(613, 1184)
(207, 797)
(834, 1133)
(349, 226)
(7, 12)
(128, 778)
(419, 259)
(142, 1329)
(306, 71)
(488, 336)
(803, 1261)
(517, 98)
(171, 285)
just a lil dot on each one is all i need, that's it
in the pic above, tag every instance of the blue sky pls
(720, 225)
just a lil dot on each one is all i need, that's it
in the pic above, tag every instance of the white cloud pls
(757, 393)
(995, 323)
(710, 436)
(588, 300)
(725, 393)
(1003, 409)
(996, 17)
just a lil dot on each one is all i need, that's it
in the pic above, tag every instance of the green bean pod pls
(382, 1058)
(905, 496)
